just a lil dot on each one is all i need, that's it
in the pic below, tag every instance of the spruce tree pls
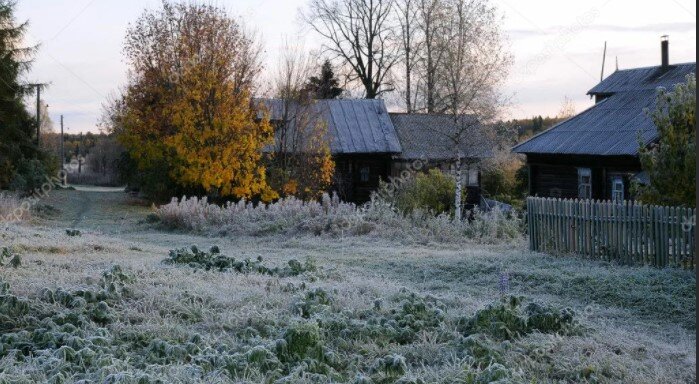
(18, 150)
(326, 86)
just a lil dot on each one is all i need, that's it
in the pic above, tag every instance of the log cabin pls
(595, 154)
(370, 145)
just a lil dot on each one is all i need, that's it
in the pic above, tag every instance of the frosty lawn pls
(104, 306)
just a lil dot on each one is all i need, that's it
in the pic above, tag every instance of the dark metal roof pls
(613, 126)
(354, 126)
(644, 78)
(609, 128)
(427, 136)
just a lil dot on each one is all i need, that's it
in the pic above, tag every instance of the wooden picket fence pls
(627, 232)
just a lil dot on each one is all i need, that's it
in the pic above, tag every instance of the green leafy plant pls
(507, 320)
(214, 260)
(14, 260)
(671, 162)
(428, 192)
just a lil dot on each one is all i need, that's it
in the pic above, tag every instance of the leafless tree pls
(407, 12)
(476, 62)
(567, 109)
(295, 67)
(301, 163)
(360, 33)
(431, 20)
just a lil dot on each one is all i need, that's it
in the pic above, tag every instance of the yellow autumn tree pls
(187, 118)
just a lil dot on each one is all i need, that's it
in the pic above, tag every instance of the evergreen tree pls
(327, 86)
(671, 162)
(18, 151)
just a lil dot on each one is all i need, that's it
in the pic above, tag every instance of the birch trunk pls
(459, 191)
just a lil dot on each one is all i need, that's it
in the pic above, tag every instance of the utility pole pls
(38, 86)
(604, 61)
(38, 116)
(63, 155)
(80, 157)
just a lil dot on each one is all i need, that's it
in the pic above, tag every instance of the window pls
(584, 183)
(364, 174)
(617, 189)
(473, 178)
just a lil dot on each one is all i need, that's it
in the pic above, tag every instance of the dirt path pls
(100, 209)
(83, 209)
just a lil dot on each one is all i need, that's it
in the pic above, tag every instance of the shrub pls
(9, 257)
(392, 366)
(315, 301)
(29, 176)
(429, 192)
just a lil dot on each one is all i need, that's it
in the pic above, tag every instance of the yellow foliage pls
(193, 111)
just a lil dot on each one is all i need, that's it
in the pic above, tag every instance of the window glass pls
(584, 183)
(364, 174)
(617, 188)
(473, 178)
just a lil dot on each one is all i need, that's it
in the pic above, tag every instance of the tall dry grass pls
(11, 208)
(332, 217)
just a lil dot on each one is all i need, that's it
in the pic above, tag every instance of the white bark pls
(458, 204)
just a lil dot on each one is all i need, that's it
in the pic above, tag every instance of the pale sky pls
(557, 46)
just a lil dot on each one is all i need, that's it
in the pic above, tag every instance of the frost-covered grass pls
(334, 218)
(365, 311)
(11, 208)
(120, 307)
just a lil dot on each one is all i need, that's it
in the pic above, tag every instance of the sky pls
(557, 46)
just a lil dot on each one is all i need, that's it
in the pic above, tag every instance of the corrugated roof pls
(354, 126)
(428, 136)
(611, 127)
(644, 78)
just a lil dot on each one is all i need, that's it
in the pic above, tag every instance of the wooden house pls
(595, 154)
(428, 140)
(361, 137)
(370, 145)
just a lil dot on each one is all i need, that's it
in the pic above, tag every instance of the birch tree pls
(407, 12)
(432, 15)
(475, 64)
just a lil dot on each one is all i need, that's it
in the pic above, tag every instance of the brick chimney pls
(665, 50)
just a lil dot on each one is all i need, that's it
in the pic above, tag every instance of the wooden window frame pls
(618, 195)
(584, 188)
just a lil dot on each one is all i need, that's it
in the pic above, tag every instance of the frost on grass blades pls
(14, 209)
(334, 218)
(87, 334)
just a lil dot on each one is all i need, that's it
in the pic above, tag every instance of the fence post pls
(627, 232)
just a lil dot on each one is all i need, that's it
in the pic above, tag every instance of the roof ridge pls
(655, 66)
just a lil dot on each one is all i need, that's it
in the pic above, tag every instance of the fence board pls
(625, 232)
